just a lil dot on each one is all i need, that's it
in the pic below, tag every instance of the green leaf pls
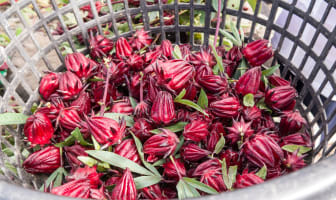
(179, 126)
(199, 185)
(133, 102)
(181, 94)
(220, 145)
(227, 43)
(270, 71)
(184, 190)
(235, 33)
(229, 177)
(95, 143)
(230, 37)
(179, 145)
(218, 60)
(18, 31)
(262, 105)
(191, 104)
(119, 116)
(145, 181)
(214, 4)
(67, 142)
(55, 177)
(241, 69)
(253, 4)
(262, 172)
(96, 79)
(139, 147)
(159, 162)
(177, 52)
(292, 148)
(248, 100)
(87, 160)
(118, 161)
(202, 99)
(79, 137)
(12, 118)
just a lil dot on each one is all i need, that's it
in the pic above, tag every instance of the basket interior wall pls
(20, 85)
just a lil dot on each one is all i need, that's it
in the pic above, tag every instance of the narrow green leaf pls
(241, 69)
(181, 94)
(179, 126)
(232, 174)
(292, 148)
(214, 4)
(96, 79)
(248, 100)
(145, 181)
(229, 36)
(227, 43)
(67, 142)
(242, 34)
(270, 71)
(235, 33)
(177, 52)
(87, 160)
(220, 145)
(57, 174)
(202, 99)
(262, 172)
(218, 60)
(79, 137)
(159, 162)
(229, 177)
(253, 4)
(179, 144)
(200, 186)
(12, 118)
(95, 143)
(262, 105)
(191, 104)
(133, 102)
(119, 161)
(184, 190)
(139, 147)
(119, 116)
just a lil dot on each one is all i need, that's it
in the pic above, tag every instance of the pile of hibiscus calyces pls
(139, 121)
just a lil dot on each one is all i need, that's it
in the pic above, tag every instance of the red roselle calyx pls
(214, 83)
(100, 46)
(46, 160)
(280, 98)
(293, 161)
(162, 144)
(196, 130)
(231, 60)
(302, 139)
(82, 103)
(69, 118)
(123, 48)
(175, 73)
(128, 150)
(257, 52)
(277, 81)
(231, 157)
(263, 150)
(163, 109)
(249, 82)
(240, 130)
(80, 65)
(140, 39)
(38, 129)
(227, 107)
(125, 187)
(247, 179)
(49, 84)
(72, 152)
(204, 57)
(76, 189)
(174, 170)
(70, 85)
(88, 173)
(192, 152)
(291, 122)
(166, 48)
(98, 194)
(123, 107)
(153, 192)
(105, 130)
(141, 129)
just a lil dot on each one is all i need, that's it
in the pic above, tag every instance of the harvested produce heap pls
(138, 121)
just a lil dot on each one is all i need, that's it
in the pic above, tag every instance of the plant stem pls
(108, 75)
(173, 161)
(218, 21)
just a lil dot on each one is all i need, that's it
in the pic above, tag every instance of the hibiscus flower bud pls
(49, 84)
(38, 129)
(163, 109)
(127, 149)
(162, 144)
(105, 130)
(45, 160)
(196, 131)
(125, 187)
